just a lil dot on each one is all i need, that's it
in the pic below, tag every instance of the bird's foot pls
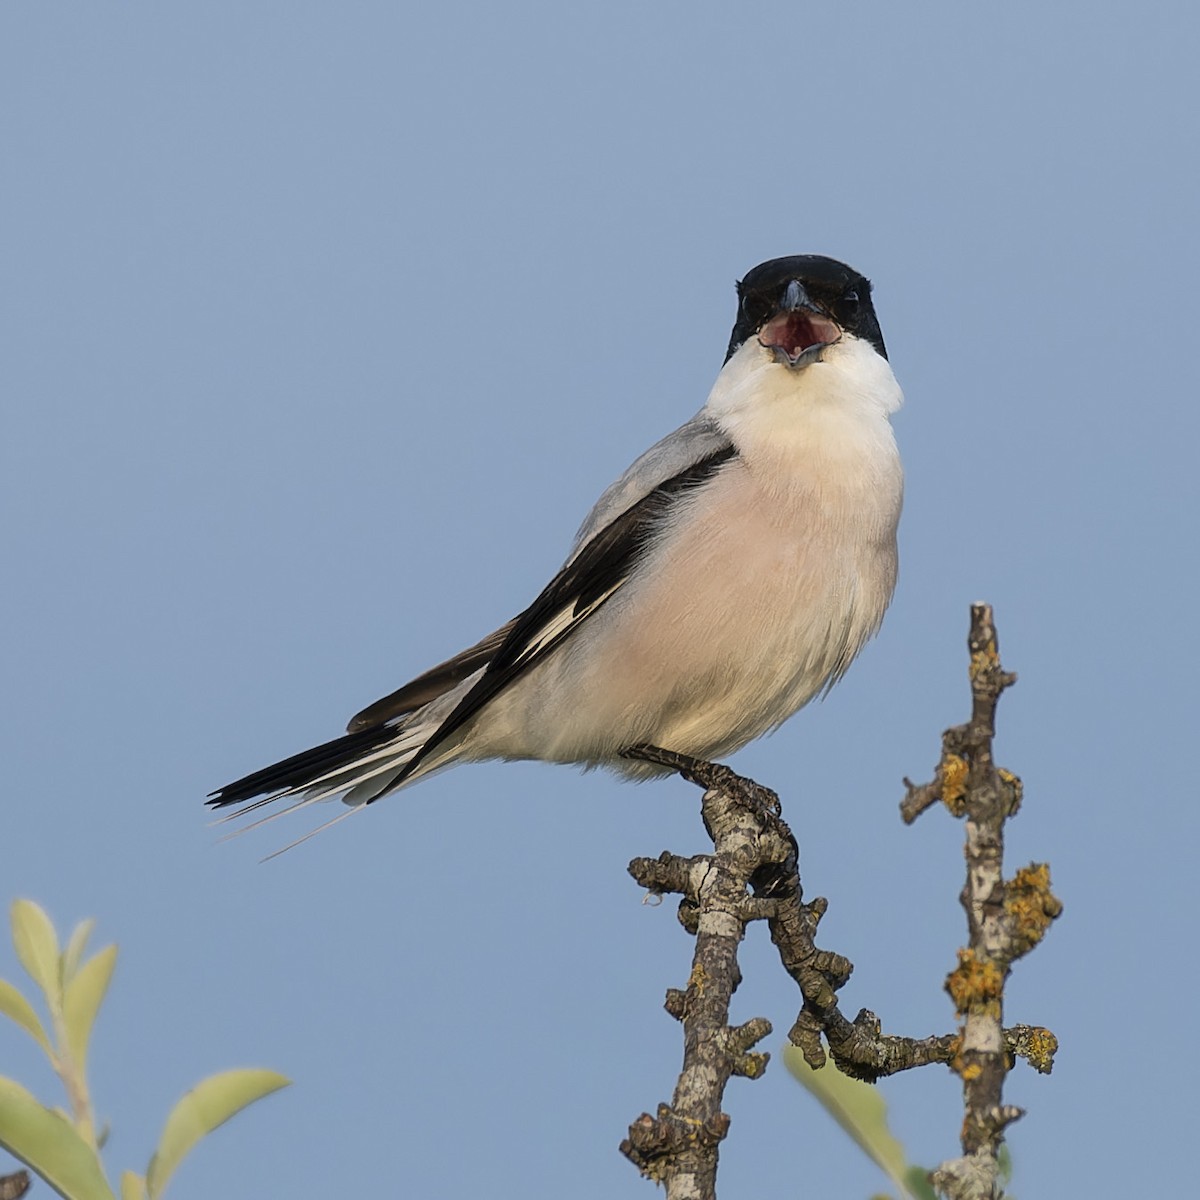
(709, 775)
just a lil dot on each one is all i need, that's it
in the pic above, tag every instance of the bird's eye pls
(850, 299)
(755, 310)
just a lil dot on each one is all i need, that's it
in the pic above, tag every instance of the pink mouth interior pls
(795, 332)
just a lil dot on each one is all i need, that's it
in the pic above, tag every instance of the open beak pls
(799, 331)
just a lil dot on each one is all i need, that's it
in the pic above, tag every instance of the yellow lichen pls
(1016, 789)
(975, 985)
(954, 771)
(955, 1062)
(1030, 905)
(753, 1065)
(983, 661)
(1041, 1048)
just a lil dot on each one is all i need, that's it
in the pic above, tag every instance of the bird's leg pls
(709, 775)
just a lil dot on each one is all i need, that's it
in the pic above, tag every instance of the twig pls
(14, 1186)
(1004, 921)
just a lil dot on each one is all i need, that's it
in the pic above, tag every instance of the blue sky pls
(323, 327)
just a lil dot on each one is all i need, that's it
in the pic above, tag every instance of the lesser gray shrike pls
(728, 577)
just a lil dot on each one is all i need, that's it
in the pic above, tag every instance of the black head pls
(796, 302)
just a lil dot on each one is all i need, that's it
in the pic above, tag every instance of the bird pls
(727, 578)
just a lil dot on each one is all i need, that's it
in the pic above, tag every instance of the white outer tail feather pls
(357, 783)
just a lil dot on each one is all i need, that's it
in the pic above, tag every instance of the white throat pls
(770, 409)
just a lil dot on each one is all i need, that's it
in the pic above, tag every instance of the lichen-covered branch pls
(678, 1146)
(1005, 919)
(753, 875)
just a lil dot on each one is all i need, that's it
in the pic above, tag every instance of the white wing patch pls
(559, 624)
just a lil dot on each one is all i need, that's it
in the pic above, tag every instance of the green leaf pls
(919, 1185)
(14, 1005)
(133, 1186)
(861, 1111)
(82, 998)
(72, 955)
(209, 1104)
(48, 1144)
(37, 947)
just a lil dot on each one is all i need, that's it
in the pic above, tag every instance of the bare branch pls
(753, 875)
(678, 1146)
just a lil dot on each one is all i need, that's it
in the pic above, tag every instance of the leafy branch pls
(63, 1147)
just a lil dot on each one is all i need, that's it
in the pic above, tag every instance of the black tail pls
(302, 768)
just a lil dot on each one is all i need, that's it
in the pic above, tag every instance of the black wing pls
(573, 595)
(432, 683)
